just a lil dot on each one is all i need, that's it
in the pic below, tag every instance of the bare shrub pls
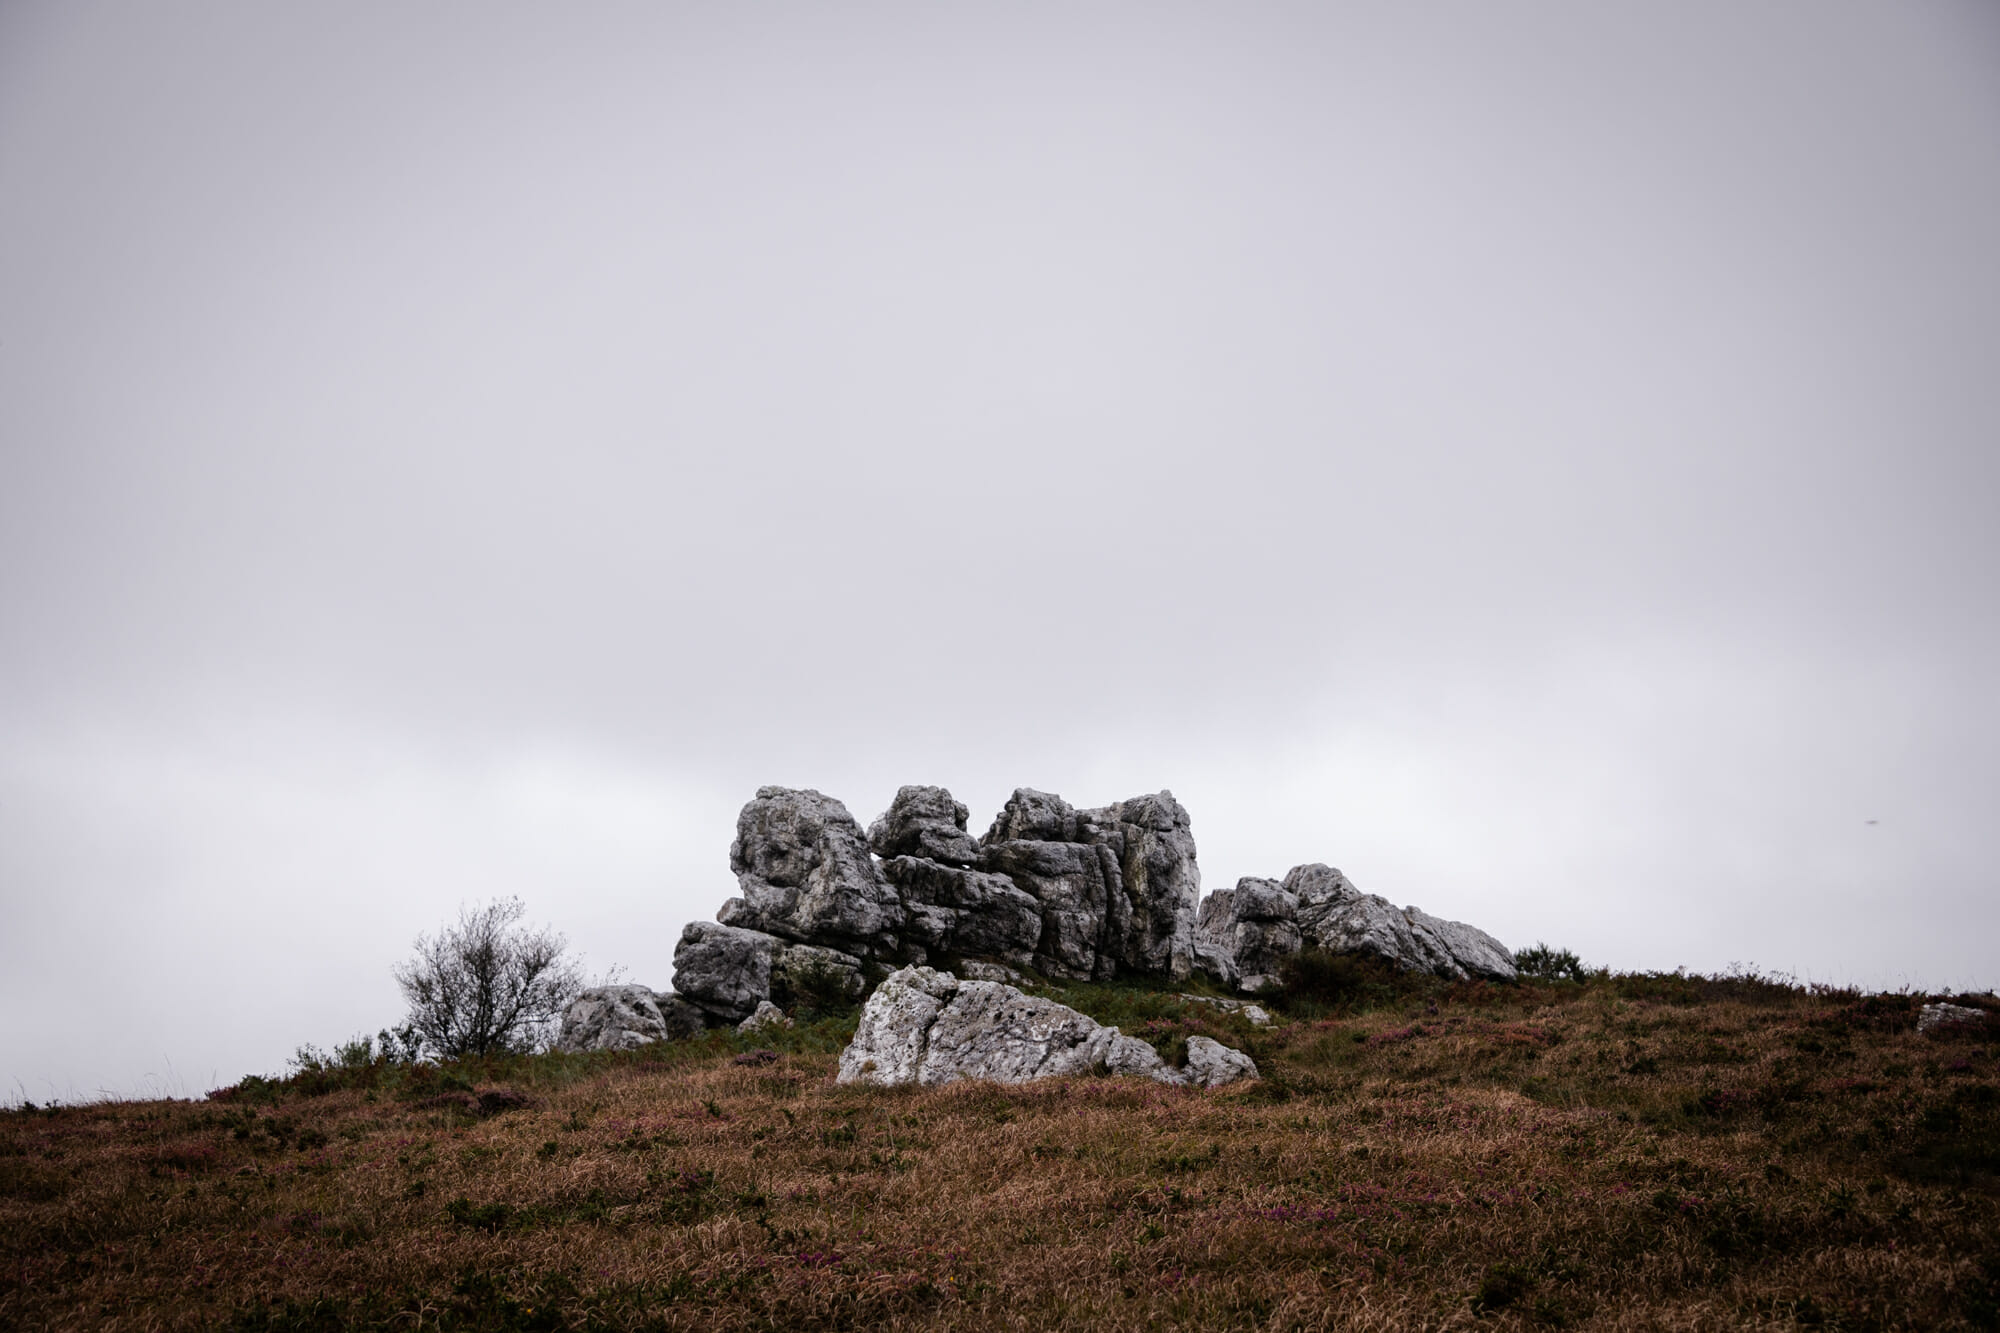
(487, 986)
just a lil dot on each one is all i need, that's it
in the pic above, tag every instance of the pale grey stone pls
(1335, 915)
(1071, 882)
(768, 1015)
(728, 971)
(1215, 936)
(813, 972)
(806, 874)
(1034, 816)
(1211, 1064)
(928, 1027)
(974, 970)
(724, 970)
(1244, 935)
(924, 822)
(1932, 1017)
(1150, 911)
(1254, 1013)
(621, 1018)
(953, 909)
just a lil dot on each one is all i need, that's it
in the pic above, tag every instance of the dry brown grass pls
(1636, 1152)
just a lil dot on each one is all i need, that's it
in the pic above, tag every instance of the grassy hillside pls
(1630, 1151)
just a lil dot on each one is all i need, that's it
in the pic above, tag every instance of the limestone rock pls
(621, 1018)
(1149, 926)
(1335, 915)
(1072, 883)
(953, 909)
(924, 822)
(806, 874)
(974, 970)
(1244, 935)
(1211, 1064)
(1255, 1014)
(724, 970)
(1034, 816)
(727, 971)
(768, 1015)
(813, 973)
(1933, 1017)
(928, 1027)
(1215, 936)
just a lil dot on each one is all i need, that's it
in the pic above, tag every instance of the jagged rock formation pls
(1118, 887)
(806, 875)
(620, 1018)
(1074, 894)
(1245, 934)
(728, 971)
(1336, 916)
(928, 1027)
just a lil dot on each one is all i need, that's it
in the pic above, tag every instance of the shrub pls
(487, 986)
(1546, 964)
(1315, 980)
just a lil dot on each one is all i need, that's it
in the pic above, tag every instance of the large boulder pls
(727, 971)
(1072, 884)
(620, 1018)
(1243, 935)
(806, 874)
(1149, 926)
(928, 1027)
(1336, 916)
(956, 910)
(1119, 886)
(924, 822)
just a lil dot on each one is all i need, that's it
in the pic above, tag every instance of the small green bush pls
(1546, 964)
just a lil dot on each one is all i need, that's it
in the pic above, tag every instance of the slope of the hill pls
(1643, 1151)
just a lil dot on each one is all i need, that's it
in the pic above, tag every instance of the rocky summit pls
(1068, 893)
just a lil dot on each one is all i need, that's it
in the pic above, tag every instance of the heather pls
(1656, 1151)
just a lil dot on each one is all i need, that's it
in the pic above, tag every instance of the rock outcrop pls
(1074, 894)
(727, 971)
(925, 822)
(1944, 1017)
(927, 1027)
(1244, 934)
(806, 874)
(620, 1018)
(1118, 887)
(1336, 916)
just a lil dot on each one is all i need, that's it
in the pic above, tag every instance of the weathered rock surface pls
(768, 1015)
(1336, 916)
(1071, 884)
(1243, 935)
(1118, 886)
(727, 971)
(928, 1027)
(1151, 909)
(1211, 1064)
(620, 1018)
(925, 822)
(806, 874)
(1933, 1017)
(953, 909)
(1255, 1014)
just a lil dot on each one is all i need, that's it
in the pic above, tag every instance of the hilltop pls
(1620, 1151)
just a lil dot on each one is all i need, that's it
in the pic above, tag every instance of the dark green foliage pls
(1546, 964)
(1316, 982)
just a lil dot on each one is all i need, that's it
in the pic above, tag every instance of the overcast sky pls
(1542, 459)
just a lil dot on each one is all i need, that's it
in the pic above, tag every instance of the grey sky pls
(1539, 458)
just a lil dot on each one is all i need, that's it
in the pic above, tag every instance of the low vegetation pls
(1657, 1151)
